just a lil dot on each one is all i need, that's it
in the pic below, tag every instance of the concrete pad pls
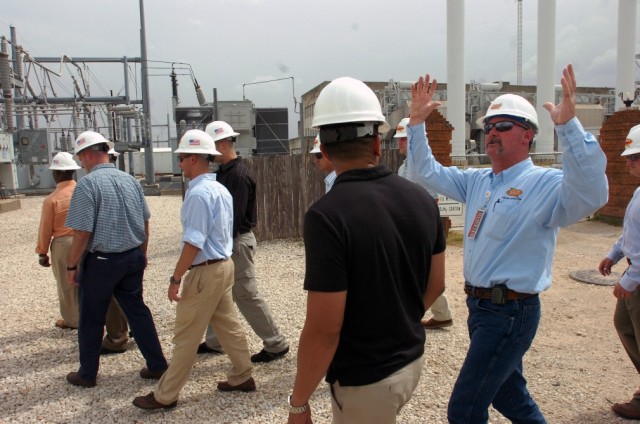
(592, 276)
(10, 205)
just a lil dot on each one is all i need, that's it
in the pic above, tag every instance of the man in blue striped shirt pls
(514, 211)
(108, 256)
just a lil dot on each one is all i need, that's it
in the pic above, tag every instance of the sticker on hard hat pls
(218, 130)
(80, 141)
(194, 142)
(496, 106)
(628, 142)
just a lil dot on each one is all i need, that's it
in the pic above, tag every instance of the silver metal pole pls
(146, 104)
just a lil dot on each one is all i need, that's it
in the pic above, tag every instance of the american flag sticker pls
(194, 142)
(218, 130)
(80, 142)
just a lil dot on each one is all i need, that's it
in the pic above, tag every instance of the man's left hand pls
(620, 292)
(172, 293)
(44, 261)
(421, 104)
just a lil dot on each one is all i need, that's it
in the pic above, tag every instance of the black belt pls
(209, 262)
(497, 294)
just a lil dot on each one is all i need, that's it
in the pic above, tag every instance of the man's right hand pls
(43, 260)
(605, 266)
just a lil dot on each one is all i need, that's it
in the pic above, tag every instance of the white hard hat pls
(513, 106)
(63, 161)
(198, 142)
(401, 129)
(346, 100)
(632, 143)
(316, 145)
(88, 139)
(219, 130)
(113, 152)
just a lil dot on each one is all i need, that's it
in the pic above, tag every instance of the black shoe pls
(147, 374)
(105, 351)
(203, 348)
(75, 379)
(264, 356)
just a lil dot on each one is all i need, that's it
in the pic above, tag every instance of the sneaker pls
(203, 348)
(264, 356)
(431, 323)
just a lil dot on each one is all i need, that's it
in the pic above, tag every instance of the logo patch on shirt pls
(194, 142)
(514, 192)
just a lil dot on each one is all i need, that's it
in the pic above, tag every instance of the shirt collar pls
(363, 174)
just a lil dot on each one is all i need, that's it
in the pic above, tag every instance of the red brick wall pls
(621, 185)
(440, 132)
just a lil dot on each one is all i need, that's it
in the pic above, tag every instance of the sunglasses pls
(633, 157)
(181, 158)
(502, 126)
(318, 155)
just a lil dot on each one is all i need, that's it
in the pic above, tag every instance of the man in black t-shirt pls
(374, 262)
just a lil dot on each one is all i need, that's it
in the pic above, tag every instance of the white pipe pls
(546, 79)
(626, 45)
(456, 75)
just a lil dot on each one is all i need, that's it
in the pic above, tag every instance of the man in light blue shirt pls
(626, 318)
(514, 211)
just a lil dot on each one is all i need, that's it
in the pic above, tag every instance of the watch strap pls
(296, 409)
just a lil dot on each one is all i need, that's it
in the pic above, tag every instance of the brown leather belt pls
(483, 293)
(209, 262)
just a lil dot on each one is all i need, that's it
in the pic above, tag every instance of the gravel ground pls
(576, 366)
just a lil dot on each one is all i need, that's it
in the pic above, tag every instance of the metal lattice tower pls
(519, 65)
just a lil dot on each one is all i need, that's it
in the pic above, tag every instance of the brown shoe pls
(62, 324)
(627, 410)
(247, 386)
(75, 379)
(431, 323)
(146, 373)
(149, 402)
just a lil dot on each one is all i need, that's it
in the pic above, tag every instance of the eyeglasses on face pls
(633, 157)
(318, 155)
(502, 126)
(181, 158)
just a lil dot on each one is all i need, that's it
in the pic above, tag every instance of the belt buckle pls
(499, 295)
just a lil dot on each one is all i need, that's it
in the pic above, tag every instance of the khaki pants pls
(117, 328)
(440, 309)
(206, 299)
(376, 403)
(67, 295)
(626, 319)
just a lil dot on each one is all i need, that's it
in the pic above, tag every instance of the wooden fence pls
(287, 186)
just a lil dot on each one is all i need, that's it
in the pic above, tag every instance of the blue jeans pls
(492, 371)
(103, 275)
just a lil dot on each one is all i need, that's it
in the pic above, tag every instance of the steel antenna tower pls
(519, 64)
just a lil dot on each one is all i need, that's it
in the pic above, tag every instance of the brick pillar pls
(621, 184)
(440, 131)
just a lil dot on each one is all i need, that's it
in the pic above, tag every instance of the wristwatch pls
(172, 280)
(296, 409)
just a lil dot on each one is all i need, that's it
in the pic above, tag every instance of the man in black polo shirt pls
(374, 262)
(235, 176)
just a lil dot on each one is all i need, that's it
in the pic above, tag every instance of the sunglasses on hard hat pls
(502, 126)
(633, 157)
(318, 155)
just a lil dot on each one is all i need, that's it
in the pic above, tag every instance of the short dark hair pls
(350, 150)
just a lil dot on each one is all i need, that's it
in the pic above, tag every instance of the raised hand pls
(421, 104)
(564, 111)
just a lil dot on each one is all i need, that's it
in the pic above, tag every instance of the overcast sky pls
(229, 43)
